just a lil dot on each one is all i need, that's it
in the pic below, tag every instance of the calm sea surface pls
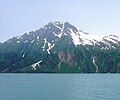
(59, 86)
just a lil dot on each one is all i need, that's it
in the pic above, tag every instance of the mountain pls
(60, 47)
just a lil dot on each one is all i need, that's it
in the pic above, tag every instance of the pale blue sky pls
(93, 16)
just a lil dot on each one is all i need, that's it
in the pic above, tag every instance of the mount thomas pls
(60, 48)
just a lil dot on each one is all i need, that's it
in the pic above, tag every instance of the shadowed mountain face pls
(60, 47)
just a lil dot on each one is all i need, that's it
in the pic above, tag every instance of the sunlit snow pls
(38, 38)
(23, 55)
(50, 46)
(36, 64)
(32, 41)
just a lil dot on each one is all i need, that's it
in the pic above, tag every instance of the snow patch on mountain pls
(90, 39)
(38, 38)
(18, 41)
(19, 37)
(111, 38)
(50, 46)
(23, 55)
(62, 28)
(57, 26)
(36, 64)
(58, 35)
(32, 41)
(25, 41)
(61, 33)
(75, 37)
(58, 22)
(80, 38)
(45, 41)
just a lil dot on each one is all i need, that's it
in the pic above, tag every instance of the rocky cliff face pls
(60, 47)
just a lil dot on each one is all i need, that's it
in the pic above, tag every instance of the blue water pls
(59, 86)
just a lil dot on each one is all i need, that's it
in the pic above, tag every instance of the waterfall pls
(95, 65)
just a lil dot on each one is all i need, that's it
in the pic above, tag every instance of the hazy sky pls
(93, 16)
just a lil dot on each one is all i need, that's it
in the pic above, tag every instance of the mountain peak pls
(59, 23)
(54, 30)
(55, 22)
(56, 45)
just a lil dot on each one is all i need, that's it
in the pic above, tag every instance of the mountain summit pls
(60, 47)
